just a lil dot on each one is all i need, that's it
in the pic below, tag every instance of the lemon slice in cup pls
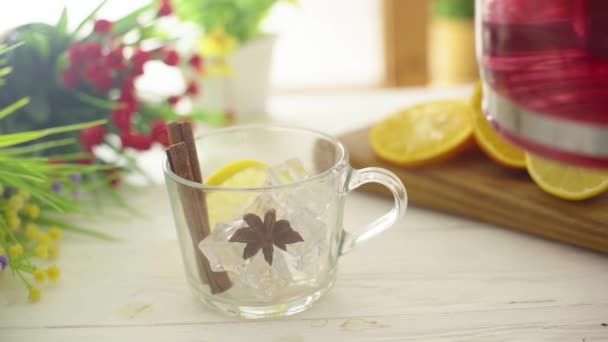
(223, 206)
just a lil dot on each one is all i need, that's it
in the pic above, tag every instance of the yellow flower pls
(31, 231)
(15, 251)
(12, 220)
(217, 43)
(53, 251)
(31, 210)
(34, 294)
(55, 233)
(218, 68)
(15, 203)
(23, 194)
(41, 252)
(39, 275)
(44, 239)
(53, 272)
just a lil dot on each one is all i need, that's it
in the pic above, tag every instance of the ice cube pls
(254, 273)
(265, 201)
(222, 254)
(266, 280)
(305, 206)
(315, 196)
(315, 235)
(287, 172)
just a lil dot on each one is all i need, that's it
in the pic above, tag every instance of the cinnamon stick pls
(188, 136)
(181, 159)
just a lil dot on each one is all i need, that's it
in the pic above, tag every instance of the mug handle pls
(394, 184)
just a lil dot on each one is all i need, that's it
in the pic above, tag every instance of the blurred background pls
(336, 45)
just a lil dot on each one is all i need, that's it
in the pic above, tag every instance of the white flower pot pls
(244, 92)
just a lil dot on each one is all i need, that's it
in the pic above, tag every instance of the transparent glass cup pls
(273, 249)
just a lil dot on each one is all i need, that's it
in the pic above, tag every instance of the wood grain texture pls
(432, 277)
(473, 186)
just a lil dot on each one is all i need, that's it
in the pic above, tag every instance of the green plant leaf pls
(62, 24)
(18, 138)
(4, 49)
(89, 17)
(13, 107)
(93, 101)
(129, 22)
(5, 71)
(38, 147)
(68, 227)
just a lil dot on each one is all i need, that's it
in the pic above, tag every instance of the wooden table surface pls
(432, 277)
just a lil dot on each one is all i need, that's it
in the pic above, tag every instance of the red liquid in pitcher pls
(549, 56)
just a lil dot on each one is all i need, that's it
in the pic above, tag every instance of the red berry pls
(196, 62)
(171, 57)
(90, 73)
(115, 60)
(127, 95)
(165, 8)
(136, 141)
(103, 83)
(102, 26)
(96, 70)
(121, 117)
(140, 57)
(173, 100)
(92, 136)
(128, 85)
(76, 54)
(92, 50)
(158, 132)
(192, 88)
(69, 77)
(138, 70)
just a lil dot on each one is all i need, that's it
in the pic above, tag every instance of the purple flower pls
(3, 262)
(76, 177)
(56, 186)
(76, 193)
(9, 191)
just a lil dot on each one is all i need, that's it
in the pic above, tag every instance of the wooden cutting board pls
(474, 186)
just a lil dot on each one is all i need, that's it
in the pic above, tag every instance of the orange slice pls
(495, 146)
(566, 181)
(423, 133)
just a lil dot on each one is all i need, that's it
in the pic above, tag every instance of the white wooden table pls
(433, 277)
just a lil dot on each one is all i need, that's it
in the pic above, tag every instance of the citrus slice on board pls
(565, 181)
(495, 146)
(423, 133)
(223, 206)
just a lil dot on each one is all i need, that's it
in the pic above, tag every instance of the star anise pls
(263, 235)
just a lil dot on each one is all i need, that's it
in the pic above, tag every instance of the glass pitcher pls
(544, 66)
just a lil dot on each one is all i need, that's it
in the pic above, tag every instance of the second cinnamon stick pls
(194, 206)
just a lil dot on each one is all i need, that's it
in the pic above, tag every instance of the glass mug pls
(544, 66)
(272, 249)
